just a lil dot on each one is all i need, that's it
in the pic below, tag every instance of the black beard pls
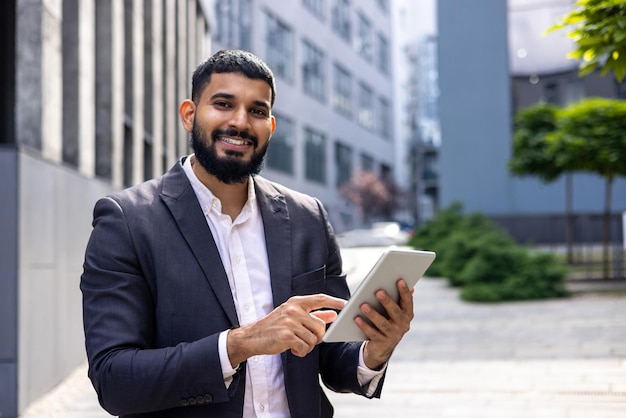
(229, 169)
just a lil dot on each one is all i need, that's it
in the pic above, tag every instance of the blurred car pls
(380, 234)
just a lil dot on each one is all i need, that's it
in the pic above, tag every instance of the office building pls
(332, 63)
(479, 95)
(90, 93)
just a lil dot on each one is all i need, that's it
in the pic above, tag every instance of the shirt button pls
(256, 360)
(262, 407)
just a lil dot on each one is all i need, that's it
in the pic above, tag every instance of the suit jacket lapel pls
(182, 202)
(277, 237)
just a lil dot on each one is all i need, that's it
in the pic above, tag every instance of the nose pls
(239, 119)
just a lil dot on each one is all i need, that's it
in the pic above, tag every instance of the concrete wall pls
(45, 213)
(8, 282)
(62, 146)
(475, 104)
(55, 206)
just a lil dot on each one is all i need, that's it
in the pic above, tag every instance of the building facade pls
(334, 106)
(416, 117)
(90, 96)
(479, 95)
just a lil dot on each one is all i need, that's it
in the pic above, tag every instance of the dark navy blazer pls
(156, 297)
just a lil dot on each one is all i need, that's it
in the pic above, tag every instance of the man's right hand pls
(291, 326)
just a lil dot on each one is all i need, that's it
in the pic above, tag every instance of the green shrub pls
(538, 277)
(473, 253)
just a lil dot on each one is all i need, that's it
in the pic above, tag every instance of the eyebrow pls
(221, 95)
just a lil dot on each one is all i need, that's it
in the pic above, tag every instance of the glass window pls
(341, 19)
(384, 118)
(315, 6)
(233, 23)
(313, 71)
(365, 116)
(224, 16)
(315, 156)
(343, 162)
(279, 48)
(383, 5)
(382, 54)
(280, 151)
(364, 43)
(367, 162)
(245, 24)
(342, 90)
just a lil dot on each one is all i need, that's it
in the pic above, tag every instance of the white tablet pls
(393, 264)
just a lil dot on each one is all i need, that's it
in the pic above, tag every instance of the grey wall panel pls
(8, 255)
(8, 390)
(474, 104)
(56, 205)
(8, 282)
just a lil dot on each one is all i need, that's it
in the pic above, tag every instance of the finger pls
(326, 316)
(306, 340)
(379, 322)
(319, 301)
(406, 295)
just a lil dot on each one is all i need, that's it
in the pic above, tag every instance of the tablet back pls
(393, 264)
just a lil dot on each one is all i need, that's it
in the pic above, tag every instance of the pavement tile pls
(562, 358)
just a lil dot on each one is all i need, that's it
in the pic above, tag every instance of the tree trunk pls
(607, 227)
(569, 214)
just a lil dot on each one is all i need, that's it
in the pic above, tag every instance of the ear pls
(273, 124)
(187, 112)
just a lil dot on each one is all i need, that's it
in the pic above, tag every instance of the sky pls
(530, 50)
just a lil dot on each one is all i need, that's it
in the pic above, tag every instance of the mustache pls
(235, 133)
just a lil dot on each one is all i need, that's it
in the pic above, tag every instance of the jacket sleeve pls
(128, 372)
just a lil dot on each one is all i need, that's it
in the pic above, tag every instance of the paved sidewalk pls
(555, 359)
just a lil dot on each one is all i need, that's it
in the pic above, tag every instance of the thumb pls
(325, 315)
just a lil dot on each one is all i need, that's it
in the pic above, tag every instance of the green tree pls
(598, 27)
(591, 136)
(530, 152)
(531, 156)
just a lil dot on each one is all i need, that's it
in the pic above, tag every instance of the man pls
(206, 292)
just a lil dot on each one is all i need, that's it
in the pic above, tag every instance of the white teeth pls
(234, 141)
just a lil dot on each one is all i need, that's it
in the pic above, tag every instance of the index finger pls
(319, 301)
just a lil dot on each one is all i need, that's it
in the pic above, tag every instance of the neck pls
(233, 196)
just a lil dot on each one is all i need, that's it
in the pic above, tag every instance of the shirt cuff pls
(227, 369)
(368, 378)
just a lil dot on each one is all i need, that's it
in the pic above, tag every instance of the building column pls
(38, 96)
(138, 92)
(118, 84)
(170, 105)
(86, 87)
(157, 88)
(182, 72)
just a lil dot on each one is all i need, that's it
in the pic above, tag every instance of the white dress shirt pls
(241, 245)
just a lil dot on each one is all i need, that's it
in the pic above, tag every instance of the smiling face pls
(230, 125)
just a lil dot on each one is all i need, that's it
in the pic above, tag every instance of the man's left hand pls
(387, 332)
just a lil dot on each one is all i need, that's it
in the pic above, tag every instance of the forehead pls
(237, 85)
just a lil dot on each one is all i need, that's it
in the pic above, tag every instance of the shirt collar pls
(208, 200)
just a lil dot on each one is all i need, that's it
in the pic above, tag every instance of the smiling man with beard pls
(206, 292)
(228, 169)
